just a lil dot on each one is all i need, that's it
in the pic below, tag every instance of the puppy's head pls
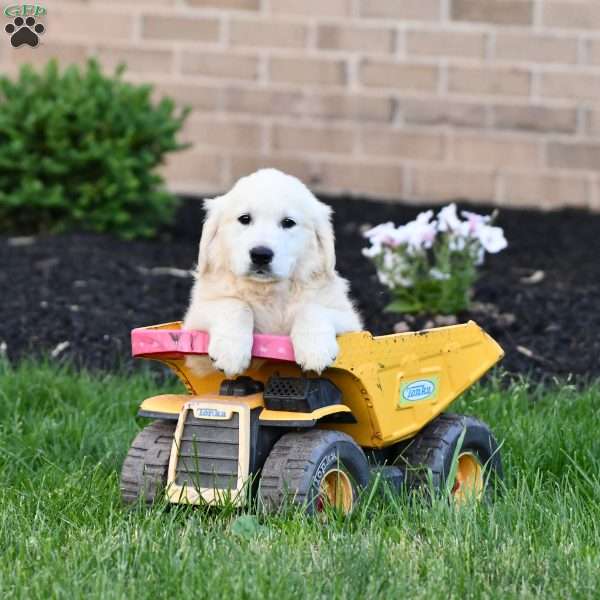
(268, 228)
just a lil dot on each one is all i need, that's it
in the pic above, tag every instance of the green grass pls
(63, 533)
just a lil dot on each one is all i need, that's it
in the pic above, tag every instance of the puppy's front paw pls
(314, 351)
(230, 354)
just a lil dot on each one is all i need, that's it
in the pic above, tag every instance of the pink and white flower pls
(420, 233)
(400, 252)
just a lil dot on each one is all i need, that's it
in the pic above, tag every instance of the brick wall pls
(492, 100)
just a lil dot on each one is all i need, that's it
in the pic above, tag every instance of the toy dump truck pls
(280, 435)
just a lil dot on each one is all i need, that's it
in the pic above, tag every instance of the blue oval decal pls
(418, 390)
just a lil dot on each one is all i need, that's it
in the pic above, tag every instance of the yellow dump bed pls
(394, 384)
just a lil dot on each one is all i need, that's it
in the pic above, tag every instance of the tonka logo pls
(210, 413)
(324, 466)
(421, 389)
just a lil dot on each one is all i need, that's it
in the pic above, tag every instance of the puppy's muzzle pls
(261, 256)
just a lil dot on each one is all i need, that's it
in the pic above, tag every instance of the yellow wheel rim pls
(469, 478)
(335, 491)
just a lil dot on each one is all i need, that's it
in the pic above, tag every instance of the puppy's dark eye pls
(245, 219)
(287, 223)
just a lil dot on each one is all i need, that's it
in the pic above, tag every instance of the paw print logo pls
(24, 31)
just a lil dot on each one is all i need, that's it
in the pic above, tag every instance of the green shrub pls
(79, 150)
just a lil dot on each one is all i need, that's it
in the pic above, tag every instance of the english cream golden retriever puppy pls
(267, 265)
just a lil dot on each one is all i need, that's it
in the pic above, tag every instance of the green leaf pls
(454, 464)
(402, 306)
(247, 526)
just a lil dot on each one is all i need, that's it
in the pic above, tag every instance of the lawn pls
(64, 534)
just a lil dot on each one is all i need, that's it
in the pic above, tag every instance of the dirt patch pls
(78, 295)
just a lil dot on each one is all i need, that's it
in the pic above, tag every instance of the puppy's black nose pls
(261, 255)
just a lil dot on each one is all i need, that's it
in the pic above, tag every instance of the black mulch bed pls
(78, 295)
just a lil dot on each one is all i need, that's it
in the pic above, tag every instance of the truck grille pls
(208, 453)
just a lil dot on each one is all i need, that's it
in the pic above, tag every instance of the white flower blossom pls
(385, 279)
(420, 233)
(474, 224)
(372, 251)
(382, 234)
(475, 219)
(448, 220)
(492, 239)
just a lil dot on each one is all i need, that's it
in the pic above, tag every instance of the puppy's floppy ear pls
(209, 233)
(325, 239)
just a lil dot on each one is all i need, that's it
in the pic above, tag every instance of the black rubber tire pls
(144, 472)
(432, 451)
(297, 463)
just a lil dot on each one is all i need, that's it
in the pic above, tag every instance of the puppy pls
(267, 265)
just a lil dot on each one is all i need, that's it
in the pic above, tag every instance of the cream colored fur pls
(302, 296)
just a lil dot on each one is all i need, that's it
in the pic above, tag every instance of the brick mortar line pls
(535, 85)
(266, 141)
(177, 60)
(560, 35)
(357, 149)
(480, 100)
(340, 22)
(353, 24)
(413, 163)
(489, 116)
(350, 126)
(538, 15)
(582, 122)
(136, 30)
(583, 50)
(415, 166)
(352, 68)
(332, 55)
(448, 147)
(318, 89)
(543, 154)
(224, 32)
(398, 120)
(449, 150)
(432, 26)
(555, 67)
(445, 15)
(489, 53)
(399, 48)
(443, 76)
(264, 68)
(434, 60)
(312, 38)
